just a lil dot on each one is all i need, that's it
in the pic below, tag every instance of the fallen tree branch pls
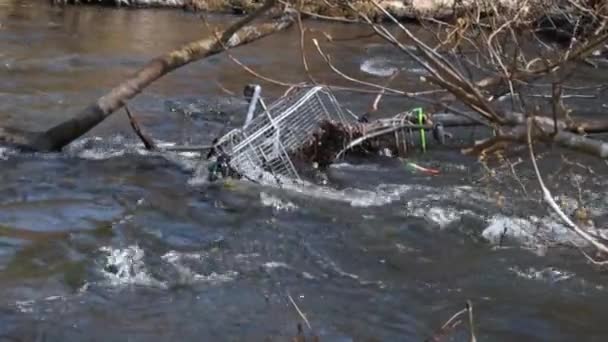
(563, 138)
(57, 137)
(548, 197)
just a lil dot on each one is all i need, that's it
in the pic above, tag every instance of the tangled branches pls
(508, 65)
(481, 61)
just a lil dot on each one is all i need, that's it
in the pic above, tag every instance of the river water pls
(107, 242)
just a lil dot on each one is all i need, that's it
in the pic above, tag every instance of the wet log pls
(57, 137)
(544, 129)
(20, 139)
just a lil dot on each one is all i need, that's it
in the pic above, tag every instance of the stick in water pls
(299, 311)
(148, 143)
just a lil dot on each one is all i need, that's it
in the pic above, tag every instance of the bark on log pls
(543, 130)
(18, 138)
(64, 133)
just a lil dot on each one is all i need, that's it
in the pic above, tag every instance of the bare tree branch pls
(62, 134)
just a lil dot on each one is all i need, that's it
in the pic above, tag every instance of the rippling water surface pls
(108, 242)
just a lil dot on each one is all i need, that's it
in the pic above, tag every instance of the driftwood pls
(59, 136)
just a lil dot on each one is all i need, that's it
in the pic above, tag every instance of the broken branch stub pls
(64, 133)
(148, 142)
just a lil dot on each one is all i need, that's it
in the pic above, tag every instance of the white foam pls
(189, 276)
(28, 306)
(97, 148)
(433, 204)
(308, 276)
(6, 152)
(362, 167)
(550, 274)
(383, 194)
(276, 203)
(275, 264)
(442, 216)
(25, 306)
(245, 256)
(532, 232)
(375, 67)
(126, 267)
(100, 154)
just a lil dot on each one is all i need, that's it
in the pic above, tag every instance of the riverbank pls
(401, 9)
(398, 8)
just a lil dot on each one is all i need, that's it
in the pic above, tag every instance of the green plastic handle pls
(422, 132)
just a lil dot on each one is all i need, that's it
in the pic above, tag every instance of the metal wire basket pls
(261, 150)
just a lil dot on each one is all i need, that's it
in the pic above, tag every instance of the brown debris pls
(333, 137)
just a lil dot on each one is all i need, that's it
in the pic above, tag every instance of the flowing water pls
(108, 242)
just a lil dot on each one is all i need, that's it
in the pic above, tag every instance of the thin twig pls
(224, 89)
(299, 311)
(418, 95)
(548, 197)
(148, 143)
(366, 137)
(302, 46)
(456, 315)
(381, 93)
(471, 322)
(239, 63)
(591, 260)
(322, 17)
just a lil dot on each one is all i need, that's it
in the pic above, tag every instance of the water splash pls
(6, 153)
(442, 216)
(383, 194)
(549, 274)
(98, 148)
(127, 267)
(276, 203)
(378, 67)
(271, 265)
(188, 276)
(25, 306)
(533, 232)
(31, 305)
(385, 67)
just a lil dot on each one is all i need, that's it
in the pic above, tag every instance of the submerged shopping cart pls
(262, 149)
